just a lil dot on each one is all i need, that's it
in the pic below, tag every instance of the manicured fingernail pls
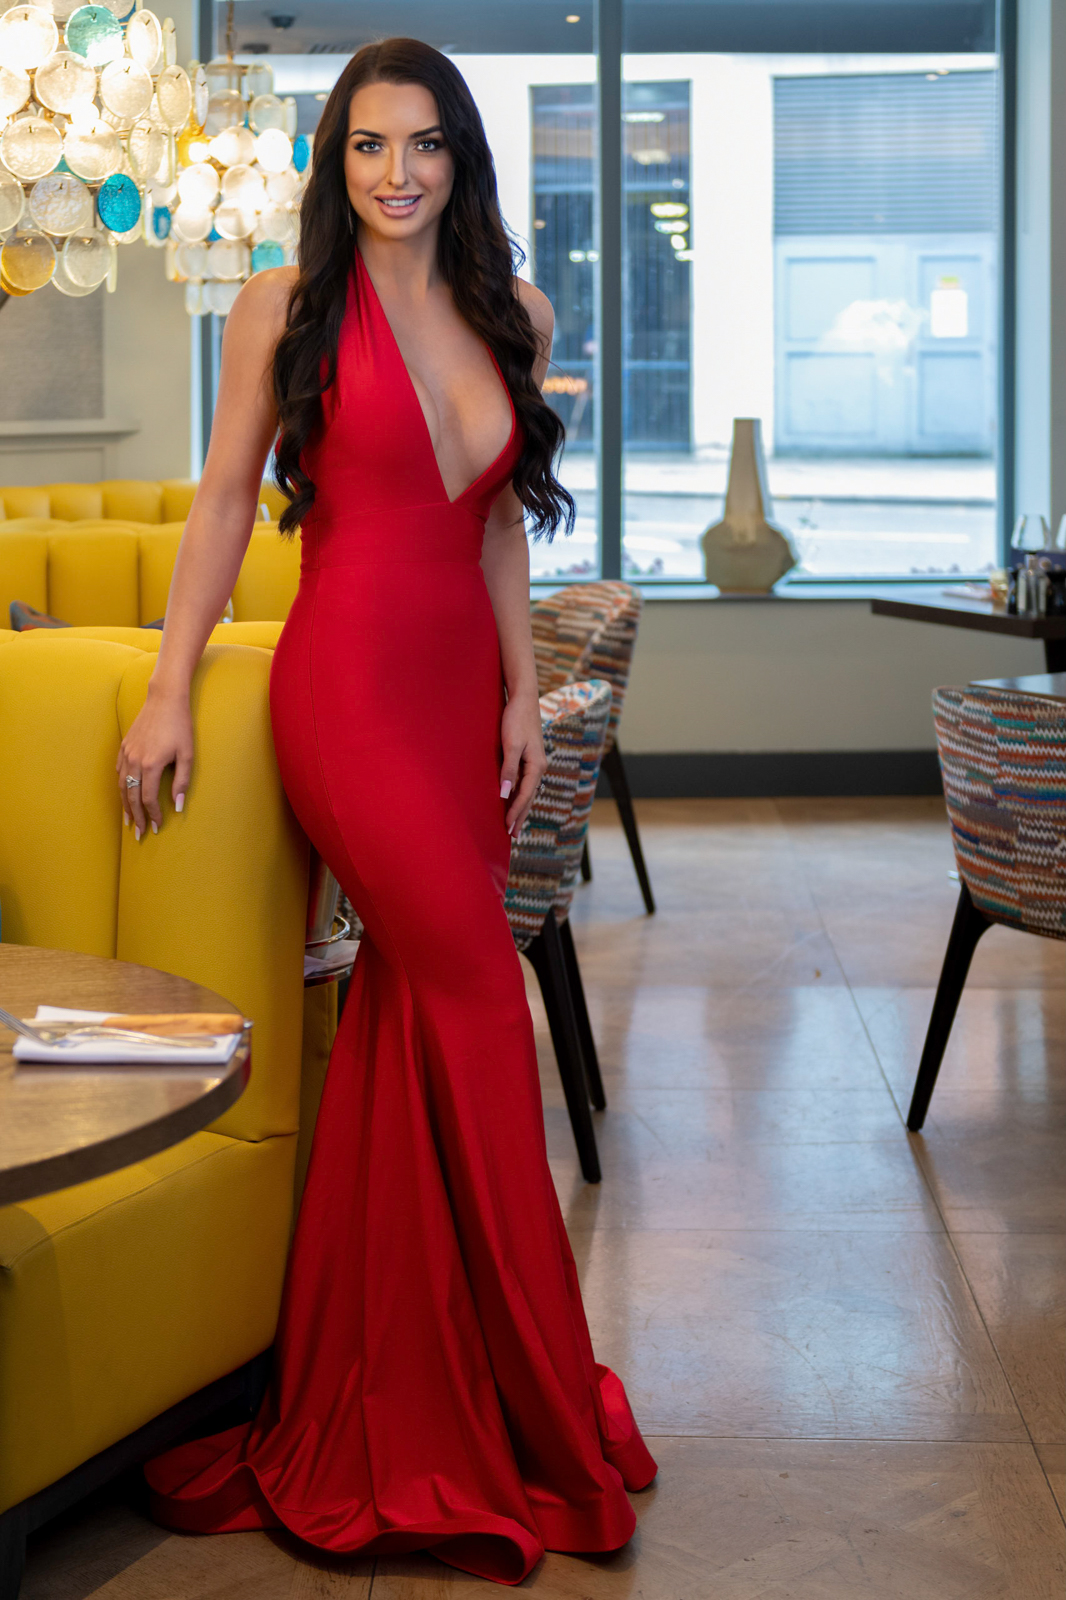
(505, 788)
(137, 833)
(125, 819)
(179, 802)
(155, 827)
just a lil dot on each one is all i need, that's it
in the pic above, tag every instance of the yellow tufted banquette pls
(121, 499)
(118, 573)
(103, 553)
(120, 1297)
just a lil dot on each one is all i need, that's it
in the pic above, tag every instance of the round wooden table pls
(63, 1125)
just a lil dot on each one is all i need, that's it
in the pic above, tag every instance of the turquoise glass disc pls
(119, 203)
(95, 33)
(267, 254)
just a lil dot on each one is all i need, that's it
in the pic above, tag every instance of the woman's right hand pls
(159, 736)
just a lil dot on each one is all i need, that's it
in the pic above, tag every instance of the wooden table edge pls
(133, 1144)
(958, 616)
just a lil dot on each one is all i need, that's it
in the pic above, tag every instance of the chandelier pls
(105, 140)
(232, 208)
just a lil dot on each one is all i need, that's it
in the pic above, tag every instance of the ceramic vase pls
(746, 552)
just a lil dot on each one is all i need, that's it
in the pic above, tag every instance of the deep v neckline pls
(362, 267)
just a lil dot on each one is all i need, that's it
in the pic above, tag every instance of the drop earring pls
(351, 225)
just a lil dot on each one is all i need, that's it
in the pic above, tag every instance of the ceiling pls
(340, 27)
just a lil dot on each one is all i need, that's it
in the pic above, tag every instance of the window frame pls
(609, 447)
(610, 205)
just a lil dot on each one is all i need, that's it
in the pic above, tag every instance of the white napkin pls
(339, 954)
(215, 1051)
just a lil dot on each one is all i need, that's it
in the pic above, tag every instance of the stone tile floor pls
(845, 1343)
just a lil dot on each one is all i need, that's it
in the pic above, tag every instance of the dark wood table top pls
(1051, 685)
(933, 605)
(64, 1125)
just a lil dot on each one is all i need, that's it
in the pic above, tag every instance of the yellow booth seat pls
(128, 499)
(123, 1296)
(117, 574)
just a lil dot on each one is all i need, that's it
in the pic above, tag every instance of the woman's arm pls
(505, 563)
(212, 546)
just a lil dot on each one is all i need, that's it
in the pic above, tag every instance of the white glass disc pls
(14, 90)
(30, 147)
(64, 81)
(28, 36)
(144, 38)
(126, 88)
(173, 93)
(61, 204)
(87, 257)
(93, 156)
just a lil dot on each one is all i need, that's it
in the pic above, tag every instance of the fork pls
(65, 1033)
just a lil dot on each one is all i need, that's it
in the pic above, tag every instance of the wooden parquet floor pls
(845, 1343)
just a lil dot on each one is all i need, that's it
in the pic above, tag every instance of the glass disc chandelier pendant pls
(91, 107)
(233, 205)
(105, 140)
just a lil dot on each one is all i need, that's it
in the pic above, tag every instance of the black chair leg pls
(616, 776)
(12, 1552)
(581, 1017)
(546, 956)
(586, 862)
(967, 928)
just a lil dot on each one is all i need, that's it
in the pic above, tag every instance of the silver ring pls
(132, 782)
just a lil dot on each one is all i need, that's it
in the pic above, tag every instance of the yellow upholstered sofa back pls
(218, 896)
(125, 499)
(102, 572)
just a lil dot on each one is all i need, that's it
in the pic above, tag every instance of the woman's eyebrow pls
(367, 133)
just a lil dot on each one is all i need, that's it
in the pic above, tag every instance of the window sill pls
(854, 590)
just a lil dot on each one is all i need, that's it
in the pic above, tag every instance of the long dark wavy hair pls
(477, 260)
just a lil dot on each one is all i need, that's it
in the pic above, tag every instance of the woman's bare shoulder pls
(537, 305)
(259, 311)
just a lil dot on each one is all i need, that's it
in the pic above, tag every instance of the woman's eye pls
(428, 144)
(368, 145)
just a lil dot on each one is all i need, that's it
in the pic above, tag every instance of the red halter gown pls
(434, 1383)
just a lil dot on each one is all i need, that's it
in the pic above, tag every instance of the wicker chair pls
(1003, 760)
(590, 629)
(544, 866)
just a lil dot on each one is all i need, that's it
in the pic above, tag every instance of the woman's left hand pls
(524, 761)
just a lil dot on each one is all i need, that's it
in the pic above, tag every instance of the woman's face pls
(397, 168)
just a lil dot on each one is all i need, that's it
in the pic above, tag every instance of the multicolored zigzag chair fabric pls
(1003, 759)
(590, 630)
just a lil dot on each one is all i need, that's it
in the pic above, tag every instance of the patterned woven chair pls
(590, 630)
(1003, 760)
(544, 867)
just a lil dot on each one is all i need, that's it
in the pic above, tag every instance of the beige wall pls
(798, 675)
(147, 367)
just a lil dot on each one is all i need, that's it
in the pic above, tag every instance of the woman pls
(434, 1385)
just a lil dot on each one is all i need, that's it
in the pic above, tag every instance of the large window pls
(839, 246)
(800, 221)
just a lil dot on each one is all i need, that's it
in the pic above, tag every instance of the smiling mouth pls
(398, 205)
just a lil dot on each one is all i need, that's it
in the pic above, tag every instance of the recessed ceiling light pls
(573, 17)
